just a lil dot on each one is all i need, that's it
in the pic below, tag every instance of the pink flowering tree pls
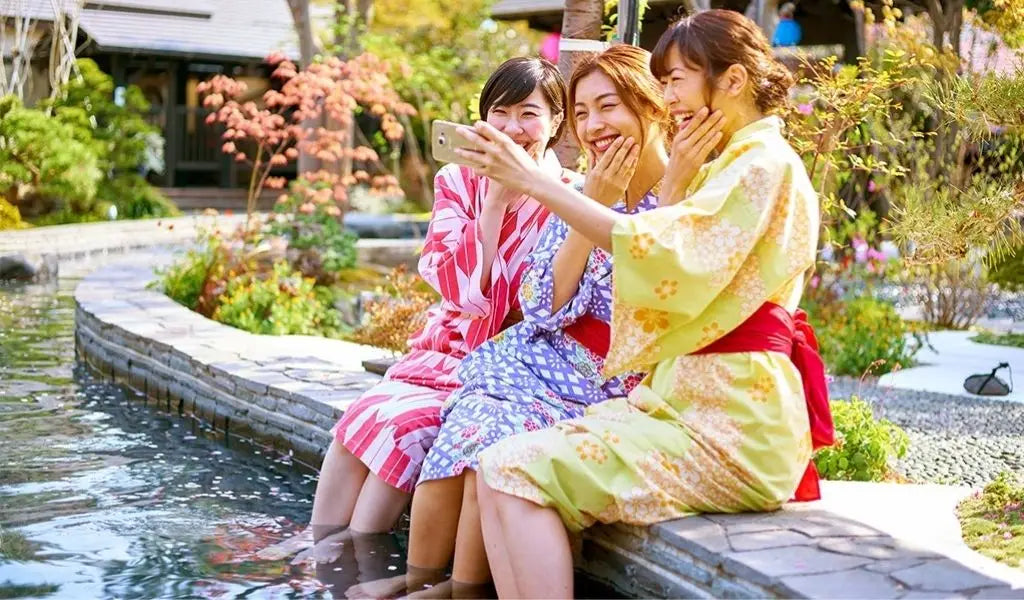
(293, 118)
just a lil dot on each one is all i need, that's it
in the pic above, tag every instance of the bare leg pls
(341, 478)
(470, 555)
(525, 527)
(435, 521)
(435, 517)
(497, 555)
(378, 507)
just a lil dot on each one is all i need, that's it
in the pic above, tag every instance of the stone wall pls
(862, 540)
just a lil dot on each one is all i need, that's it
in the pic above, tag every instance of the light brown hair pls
(628, 68)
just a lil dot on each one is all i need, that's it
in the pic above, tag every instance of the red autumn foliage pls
(288, 119)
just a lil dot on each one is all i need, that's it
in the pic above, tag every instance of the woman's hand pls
(690, 148)
(500, 195)
(494, 155)
(609, 177)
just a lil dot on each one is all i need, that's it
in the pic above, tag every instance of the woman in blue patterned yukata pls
(546, 368)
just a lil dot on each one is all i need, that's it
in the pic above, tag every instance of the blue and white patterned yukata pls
(533, 374)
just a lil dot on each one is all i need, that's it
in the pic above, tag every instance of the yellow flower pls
(641, 245)
(527, 291)
(652, 320)
(710, 332)
(588, 450)
(667, 288)
(610, 437)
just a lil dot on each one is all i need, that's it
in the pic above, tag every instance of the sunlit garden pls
(217, 224)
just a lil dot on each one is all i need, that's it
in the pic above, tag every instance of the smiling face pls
(529, 123)
(685, 87)
(601, 116)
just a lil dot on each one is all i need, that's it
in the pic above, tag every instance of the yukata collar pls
(769, 123)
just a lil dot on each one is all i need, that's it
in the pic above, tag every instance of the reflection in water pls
(106, 495)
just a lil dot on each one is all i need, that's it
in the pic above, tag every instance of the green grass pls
(1000, 339)
(992, 521)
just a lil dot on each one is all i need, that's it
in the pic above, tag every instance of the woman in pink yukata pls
(474, 255)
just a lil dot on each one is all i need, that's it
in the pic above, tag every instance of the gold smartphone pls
(444, 140)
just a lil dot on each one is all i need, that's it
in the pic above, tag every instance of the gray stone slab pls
(744, 523)
(878, 548)
(819, 523)
(896, 564)
(999, 592)
(853, 584)
(298, 411)
(697, 535)
(759, 540)
(633, 575)
(766, 567)
(915, 595)
(946, 575)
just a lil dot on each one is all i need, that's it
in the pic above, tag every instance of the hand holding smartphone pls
(444, 139)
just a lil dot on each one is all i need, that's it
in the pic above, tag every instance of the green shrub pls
(135, 198)
(310, 219)
(862, 335)
(280, 303)
(863, 446)
(121, 138)
(1007, 271)
(10, 216)
(183, 280)
(44, 161)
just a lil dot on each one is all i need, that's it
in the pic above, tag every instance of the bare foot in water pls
(287, 547)
(381, 588)
(442, 591)
(326, 550)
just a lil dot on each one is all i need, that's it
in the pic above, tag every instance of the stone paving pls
(862, 540)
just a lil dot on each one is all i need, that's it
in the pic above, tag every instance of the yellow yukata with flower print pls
(707, 432)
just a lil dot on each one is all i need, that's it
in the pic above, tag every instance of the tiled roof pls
(244, 29)
(506, 9)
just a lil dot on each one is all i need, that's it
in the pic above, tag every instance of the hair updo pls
(714, 40)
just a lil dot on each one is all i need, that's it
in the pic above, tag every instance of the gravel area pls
(953, 439)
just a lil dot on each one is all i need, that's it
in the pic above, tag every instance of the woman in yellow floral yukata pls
(705, 299)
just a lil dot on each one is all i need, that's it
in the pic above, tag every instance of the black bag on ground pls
(988, 384)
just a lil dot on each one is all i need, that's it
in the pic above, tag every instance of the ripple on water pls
(111, 498)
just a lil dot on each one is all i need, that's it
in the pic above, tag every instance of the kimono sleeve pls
(452, 251)
(536, 295)
(675, 261)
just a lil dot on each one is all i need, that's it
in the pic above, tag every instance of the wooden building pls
(166, 48)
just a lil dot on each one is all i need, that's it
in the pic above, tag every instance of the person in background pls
(788, 32)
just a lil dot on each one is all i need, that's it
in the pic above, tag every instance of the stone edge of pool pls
(862, 540)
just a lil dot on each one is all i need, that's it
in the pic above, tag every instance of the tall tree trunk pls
(308, 49)
(947, 18)
(581, 20)
(357, 15)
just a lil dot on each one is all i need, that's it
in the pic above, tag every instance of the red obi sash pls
(770, 329)
(773, 329)
(593, 333)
